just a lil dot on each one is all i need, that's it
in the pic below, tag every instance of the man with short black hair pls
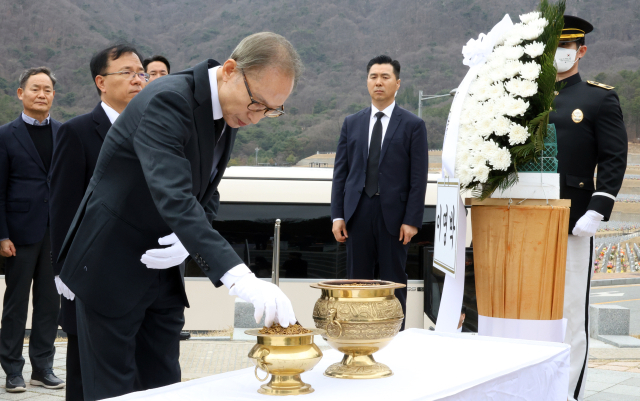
(156, 66)
(380, 180)
(26, 147)
(78, 145)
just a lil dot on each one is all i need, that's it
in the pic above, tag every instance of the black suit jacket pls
(24, 185)
(77, 146)
(598, 139)
(151, 179)
(404, 164)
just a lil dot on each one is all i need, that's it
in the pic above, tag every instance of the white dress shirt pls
(112, 115)
(385, 123)
(231, 276)
(33, 121)
(384, 120)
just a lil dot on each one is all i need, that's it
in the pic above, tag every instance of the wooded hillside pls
(335, 39)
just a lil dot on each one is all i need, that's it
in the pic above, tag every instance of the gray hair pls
(24, 77)
(268, 49)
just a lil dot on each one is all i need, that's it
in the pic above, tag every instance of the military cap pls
(574, 28)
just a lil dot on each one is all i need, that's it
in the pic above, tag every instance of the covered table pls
(426, 365)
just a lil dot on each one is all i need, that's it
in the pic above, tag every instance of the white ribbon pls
(475, 54)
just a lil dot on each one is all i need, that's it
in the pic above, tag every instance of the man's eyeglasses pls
(130, 74)
(257, 106)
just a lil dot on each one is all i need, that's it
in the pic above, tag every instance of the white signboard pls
(446, 236)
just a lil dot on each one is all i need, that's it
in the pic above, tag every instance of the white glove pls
(63, 289)
(588, 224)
(265, 296)
(165, 258)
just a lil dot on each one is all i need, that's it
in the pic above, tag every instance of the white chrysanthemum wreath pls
(505, 113)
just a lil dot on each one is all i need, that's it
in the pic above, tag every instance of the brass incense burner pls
(360, 317)
(285, 358)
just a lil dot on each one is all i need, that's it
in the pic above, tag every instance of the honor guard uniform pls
(590, 134)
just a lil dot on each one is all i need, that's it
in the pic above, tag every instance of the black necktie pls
(371, 183)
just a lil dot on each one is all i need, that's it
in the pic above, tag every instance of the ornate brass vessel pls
(360, 317)
(284, 357)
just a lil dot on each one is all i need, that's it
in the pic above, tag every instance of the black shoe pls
(15, 384)
(47, 379)
(185, 335)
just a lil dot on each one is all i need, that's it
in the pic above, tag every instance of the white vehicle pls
(252, 198)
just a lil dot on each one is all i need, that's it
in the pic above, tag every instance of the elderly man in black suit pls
(26, 146)
(156, 182)
(118, 75)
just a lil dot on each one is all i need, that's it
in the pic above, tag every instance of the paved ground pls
(608, 379)
(627, 296)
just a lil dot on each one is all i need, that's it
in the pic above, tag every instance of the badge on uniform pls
(577, 116)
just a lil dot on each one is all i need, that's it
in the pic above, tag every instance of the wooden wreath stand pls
(520, 255)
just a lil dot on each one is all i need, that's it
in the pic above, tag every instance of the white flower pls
(485, 126)
(501, 126)
(511, 68)
(481, 93)
(475, 142)
(481, 173)
(464, 173)
(496, 90)
(463, 157)
(489, 108)
(515, 35)
(502, 104)
(530, 71)
(516, 107)
(478, 158)
(518, 134)
(522, 88)
(465, 118)
(514, 52)
(532, 16)
(500, 159)
(539, 23)
(488, 149)
(531, 32)
(534, 49)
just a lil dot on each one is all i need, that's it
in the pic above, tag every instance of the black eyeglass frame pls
(267, 109)
(140, 74)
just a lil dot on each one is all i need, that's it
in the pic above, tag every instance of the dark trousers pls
(74, 376)
(137, 351)
(370, 242)
(32, 263)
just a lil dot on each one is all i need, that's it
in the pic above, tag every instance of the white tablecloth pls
(426, 365)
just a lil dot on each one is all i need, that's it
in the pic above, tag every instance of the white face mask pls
(565, 59)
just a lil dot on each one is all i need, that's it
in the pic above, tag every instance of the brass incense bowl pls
(360, 317)
(285, 358)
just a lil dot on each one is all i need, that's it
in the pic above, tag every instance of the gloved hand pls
(588, 224)
(164, 258)
(63, 289)
(265, 297)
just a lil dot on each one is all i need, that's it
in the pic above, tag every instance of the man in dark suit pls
(118, 75)
(26, 147)
(591, 136)
(157, 176)
(380, 180)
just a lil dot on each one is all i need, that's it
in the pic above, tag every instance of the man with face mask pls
(591, 134)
